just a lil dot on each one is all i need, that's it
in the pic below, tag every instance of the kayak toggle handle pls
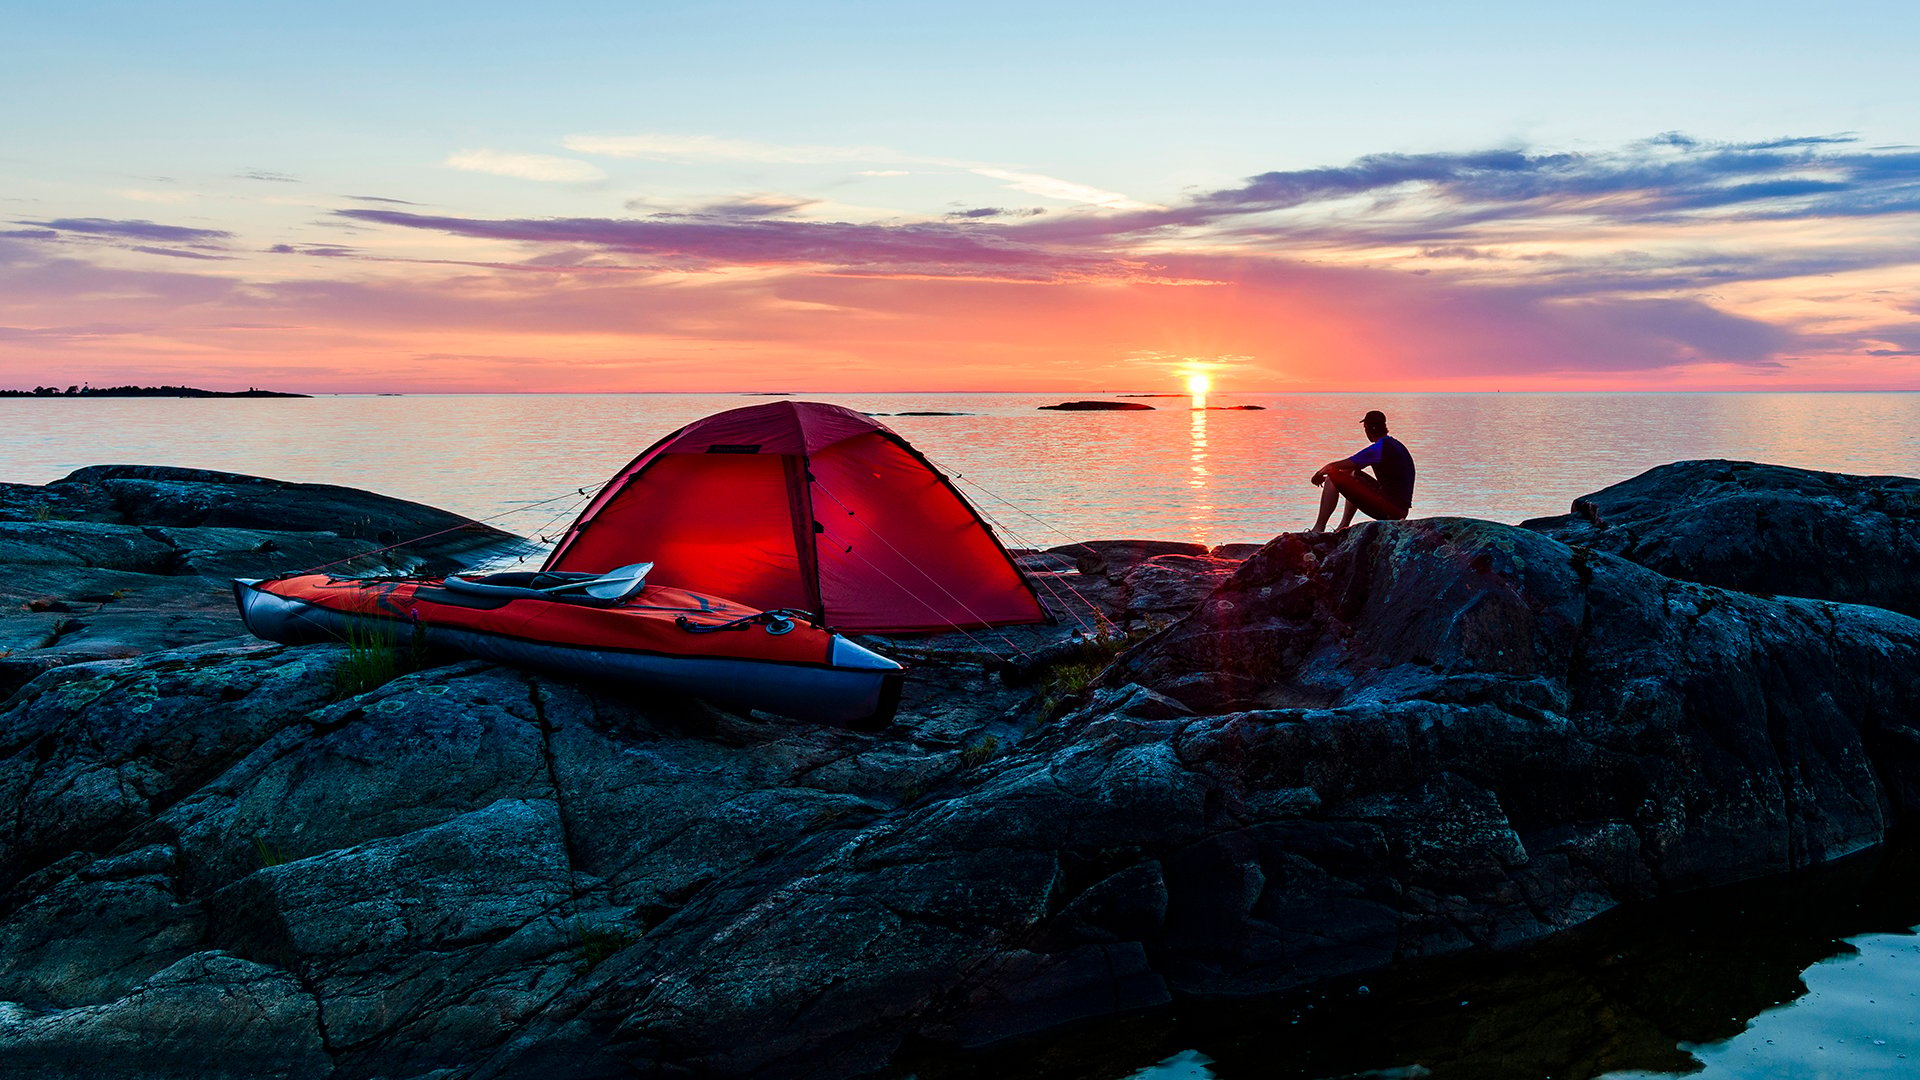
(778, 621)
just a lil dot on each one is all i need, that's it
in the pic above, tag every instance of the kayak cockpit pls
(608, 589)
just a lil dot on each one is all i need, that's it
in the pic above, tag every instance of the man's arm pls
(1343, 465)
(1361, 460)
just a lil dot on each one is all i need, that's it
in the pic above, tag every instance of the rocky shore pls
(1320, 757)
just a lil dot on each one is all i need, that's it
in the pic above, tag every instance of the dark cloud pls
(1801, 140)
(981, 213)
(268, 175)
(1453, 205)
(1454, 251)
(933, 248)
(1501, 169)
(382, 199)
(753, 206)
(31, 281)
(176, 253)
(1446, 195)
(132, 230)
(328, 251)
(1559, 263)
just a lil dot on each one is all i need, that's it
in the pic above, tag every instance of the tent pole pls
(806, 533)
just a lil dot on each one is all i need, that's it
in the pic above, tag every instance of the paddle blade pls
(619, 584)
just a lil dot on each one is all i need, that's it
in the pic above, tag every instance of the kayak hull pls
(803, 672)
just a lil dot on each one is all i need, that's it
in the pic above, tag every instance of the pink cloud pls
(1429, 291)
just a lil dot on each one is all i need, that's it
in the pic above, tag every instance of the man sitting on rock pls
(1386, 495)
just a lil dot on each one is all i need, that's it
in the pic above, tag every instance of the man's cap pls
(1375, 416)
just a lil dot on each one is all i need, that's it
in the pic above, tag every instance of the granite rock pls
(1404, 741)
(1758, 528)
(115, 561)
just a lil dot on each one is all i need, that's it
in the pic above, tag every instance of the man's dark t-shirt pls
(1392, 465)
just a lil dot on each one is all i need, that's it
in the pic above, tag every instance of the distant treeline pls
(141, 391)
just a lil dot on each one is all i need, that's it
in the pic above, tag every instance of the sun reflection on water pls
(1199, 511)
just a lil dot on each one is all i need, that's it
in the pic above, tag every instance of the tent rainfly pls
(808, 506)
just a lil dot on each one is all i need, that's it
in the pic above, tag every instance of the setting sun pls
(1197, 385)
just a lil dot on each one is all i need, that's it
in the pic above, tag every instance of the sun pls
(1198, 384)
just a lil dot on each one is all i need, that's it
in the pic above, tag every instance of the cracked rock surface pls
(1408, 740)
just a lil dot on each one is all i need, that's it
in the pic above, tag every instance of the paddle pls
(616, 584)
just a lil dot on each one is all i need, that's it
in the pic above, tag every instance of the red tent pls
(796, 504)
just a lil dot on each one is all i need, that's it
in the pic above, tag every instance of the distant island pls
(1099, 406)
(144, 391)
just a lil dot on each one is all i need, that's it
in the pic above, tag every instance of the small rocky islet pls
(1319, 757)
(145, 392)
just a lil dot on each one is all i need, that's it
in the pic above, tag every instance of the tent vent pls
(734, 448)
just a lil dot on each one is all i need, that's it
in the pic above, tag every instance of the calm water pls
(1044, 478)
(1815, 977)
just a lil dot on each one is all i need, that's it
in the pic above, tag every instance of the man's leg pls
(1329, 495)
(1364, 492)
(1346, 518)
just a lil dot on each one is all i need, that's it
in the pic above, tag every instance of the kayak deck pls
(662, 637)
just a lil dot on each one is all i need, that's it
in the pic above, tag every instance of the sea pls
(1812, 977)
(1234, 470)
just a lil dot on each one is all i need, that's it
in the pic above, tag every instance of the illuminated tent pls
(797, 504)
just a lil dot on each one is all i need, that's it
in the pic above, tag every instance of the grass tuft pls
(979, 753)
(1068, 679)
(270, 854)
(598, 944)
(376, 656)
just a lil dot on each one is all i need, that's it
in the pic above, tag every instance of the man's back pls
(1393, 466)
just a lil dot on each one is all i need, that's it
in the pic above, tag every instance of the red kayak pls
(650, 635)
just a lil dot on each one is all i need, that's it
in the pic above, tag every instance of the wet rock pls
(1760, 528)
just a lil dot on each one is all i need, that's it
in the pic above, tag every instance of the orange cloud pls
(1671, 263)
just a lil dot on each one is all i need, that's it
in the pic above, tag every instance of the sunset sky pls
(877, 196)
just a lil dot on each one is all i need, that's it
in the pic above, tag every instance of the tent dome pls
(809, 506)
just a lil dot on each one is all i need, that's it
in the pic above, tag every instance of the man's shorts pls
(1366, 493)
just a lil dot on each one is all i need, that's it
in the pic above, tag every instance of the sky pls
(1072, 197)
